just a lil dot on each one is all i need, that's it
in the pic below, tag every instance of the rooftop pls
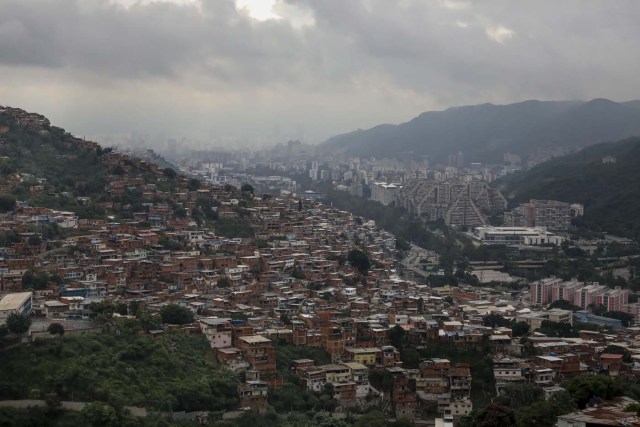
(14, 301)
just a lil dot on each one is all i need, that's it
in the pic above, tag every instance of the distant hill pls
(483, 133)
(604, 177)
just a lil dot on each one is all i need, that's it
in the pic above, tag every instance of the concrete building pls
(551, 214)
(19, 302)
(542, 291)
(384, 193)
(458, 201)
(515, 236)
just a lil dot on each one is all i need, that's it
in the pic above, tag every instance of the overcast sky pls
(258, 71)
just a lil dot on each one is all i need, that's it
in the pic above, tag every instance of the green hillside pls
(174, 372)
(610, 192)
(47, 166)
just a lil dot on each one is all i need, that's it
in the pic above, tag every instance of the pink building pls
(566, 290)
(588, 295)
(542, 290)
(614, 299)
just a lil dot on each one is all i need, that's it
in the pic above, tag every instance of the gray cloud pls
(209, 71)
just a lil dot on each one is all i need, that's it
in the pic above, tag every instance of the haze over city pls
(260, 72)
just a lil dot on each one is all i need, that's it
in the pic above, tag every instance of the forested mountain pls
(604, 177)
(484, 133)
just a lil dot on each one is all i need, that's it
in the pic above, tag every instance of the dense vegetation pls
(609, 191)
(170, 372)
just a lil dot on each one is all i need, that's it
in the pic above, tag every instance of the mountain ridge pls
(485, 132)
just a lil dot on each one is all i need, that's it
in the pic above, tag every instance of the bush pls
(176, 315)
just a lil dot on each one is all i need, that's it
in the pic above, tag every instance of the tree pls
(193, 184)
(359, 260)
(494, 320)
(298, 274)
(35, 280)
(18, 323)
(98, 414)
(34, 240)
(176, 315)
(169, 173)
(564, 305)
(7, 203)
(224, 282)
(495, 415)
(134, 307)
(557, 329)
(586, 387)
(122, 309)
(626, 318)
(246, 188)
(396, 335)
(56, 329)
(520, 328)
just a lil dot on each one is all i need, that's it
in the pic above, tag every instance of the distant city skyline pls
(255, 73)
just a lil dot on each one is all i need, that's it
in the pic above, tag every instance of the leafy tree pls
(56, 329)
(176, 315)
(494, 320)
(585, 387)
(544, 413)
(495, 415)
(121, 308)
(34, 240)
(359, 260)
(134, 307)
(169, 173)
(564, 305)
(4, 331)
(298, 274)
(557, 329)
(224, 282)
(180, 213)
(118, 170)
(246, 188)
(193, 184)
(626, 318)
(98, 414)
(520, 328)
(7, 203)
(35, 280)
(18, 323)
(396, 336)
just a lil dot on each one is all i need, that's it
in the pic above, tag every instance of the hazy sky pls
(251, 71)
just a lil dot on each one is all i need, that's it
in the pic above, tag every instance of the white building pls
(383, 192)
(516, 236)
(19, 302)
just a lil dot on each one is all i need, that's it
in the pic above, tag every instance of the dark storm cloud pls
(357, 56)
